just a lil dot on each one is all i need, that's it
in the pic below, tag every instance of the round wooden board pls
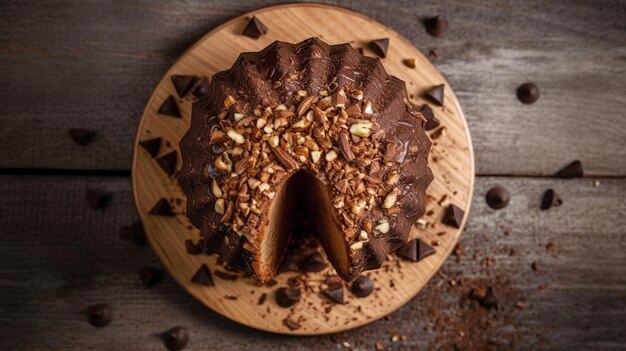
(451, 161)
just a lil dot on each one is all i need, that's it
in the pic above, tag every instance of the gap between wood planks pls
(126, 173)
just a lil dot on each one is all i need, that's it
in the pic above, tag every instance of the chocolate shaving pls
(151, 145)
(162, 208)
(81, 136)
(453, 216)
(182, 84)
(170, 108)
(436, 94)
(572, 170)
(291, 324)
(262, 299)
(203, 276)
(380, 46)
(168, 162)
(255, 28)
(550, 199)
(225, 275)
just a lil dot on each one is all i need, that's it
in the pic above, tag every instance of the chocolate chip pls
(314, 263)
(431, 121)
(134, 233)
(182, 84)
(287, 265)
(362, 286)
(193, 249)
(437, 26)
(380, 46)
(291, 324)
(453, 216)
(162, 208)
(200, 88)
(287, 297)
(170, 108)
(497, 197)
(335, 292)
(168, 162)
(535, 265)
(100, 315)
(550, 199)
(203, 276)
(152, 146)
(225, 275)
(81, 136)
(150, 276)
(415, 250)
(175, 339)
(436, 94)
(572, 170)
(96, 198)
(410, 63)
(528, 93)
(255, 28)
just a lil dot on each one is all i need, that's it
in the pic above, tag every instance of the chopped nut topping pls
(238, 116)
(236, 137)
(219, 206)
(390, 199)
(363, 236)
(331, 155)
(217, 136)
(367, 107)
(344, 144)
(223, 163)
(363, 129)
(304, 105)
(253, 183)
(383, 226)
(229, 101)
(315, 156)
(392, 177)
(215, 189)
(356, 246)
(260, 123)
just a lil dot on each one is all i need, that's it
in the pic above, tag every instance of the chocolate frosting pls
(275, 76)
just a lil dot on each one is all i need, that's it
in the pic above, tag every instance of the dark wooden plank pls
(84, 64)
(58, 256)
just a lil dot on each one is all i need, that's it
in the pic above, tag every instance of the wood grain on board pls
(81, 261)
(83, 64)
(451, 162)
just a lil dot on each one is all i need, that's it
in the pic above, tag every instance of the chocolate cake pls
(311, 130)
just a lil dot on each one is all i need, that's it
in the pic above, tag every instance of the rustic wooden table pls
(89, 64)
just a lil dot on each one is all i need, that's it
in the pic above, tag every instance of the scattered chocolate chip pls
(436, 94)
(170, 108)
(497, 197)
(203, 276)
(415, 250)
(182, 84)
(262, 299)
(81, 136)
(168, 162)
(572, 170)
(535, 265)
(431, 121)
(335, 292)
(150, 276)
(478, 293)
(551, 247)
(362, 286)
(134, 233)
(175, 339)
(96, 198)
(152, 146)
(550, 199)
(314, 263)
(380, 46)
(193, 249)
(287, 265)
(410, 62)
(490, 300)
(225, 275)
(437, 26)
(255, 28)
(287, 297)
(201, 87)
(100, 315)
(291, 324)
(453, 216)
(162, 208)
(528, 93)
